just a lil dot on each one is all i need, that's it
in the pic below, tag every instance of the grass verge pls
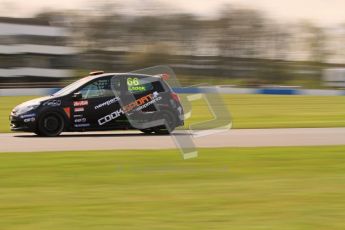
(235, 188)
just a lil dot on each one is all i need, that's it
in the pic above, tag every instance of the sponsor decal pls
(27, 120)
(134, 85)
(80, 103)
(110, 117)
(148, 104)
(138, 104)
(77, 115)
(67, 111)
(82, 125)
(137, 88)
(107, 103)
(142, 102)
(133, 81)
(79, 109)
(52, 103)
(28, 115)
(80, 120)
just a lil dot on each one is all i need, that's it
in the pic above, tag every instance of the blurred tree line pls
(239, 44)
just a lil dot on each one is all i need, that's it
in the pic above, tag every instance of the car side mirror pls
(77, 96)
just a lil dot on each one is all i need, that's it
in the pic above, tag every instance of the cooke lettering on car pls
(110, 117)
(140, 103)
(81, 103)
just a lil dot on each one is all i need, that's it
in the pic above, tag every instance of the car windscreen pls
(70, 88)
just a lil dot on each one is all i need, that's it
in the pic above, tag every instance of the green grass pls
(251, 111)
(270, 111)
(237, 188)
(6, 106)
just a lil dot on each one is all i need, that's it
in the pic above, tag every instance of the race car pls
(103, 101)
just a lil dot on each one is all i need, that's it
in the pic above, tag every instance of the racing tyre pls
(51, 125)
(170, 122)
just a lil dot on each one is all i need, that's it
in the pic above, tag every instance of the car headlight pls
(27, 108)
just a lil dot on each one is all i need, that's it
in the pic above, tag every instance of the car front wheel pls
(51, 124)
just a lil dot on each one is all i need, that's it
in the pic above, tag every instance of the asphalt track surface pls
(27, 142)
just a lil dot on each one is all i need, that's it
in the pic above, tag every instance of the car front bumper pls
(22, 123)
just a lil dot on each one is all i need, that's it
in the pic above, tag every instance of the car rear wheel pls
(51, 125)
(170, 123)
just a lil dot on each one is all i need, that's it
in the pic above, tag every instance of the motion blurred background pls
(244, 46)
(235, 43)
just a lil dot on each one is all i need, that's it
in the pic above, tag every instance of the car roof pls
(93, 77)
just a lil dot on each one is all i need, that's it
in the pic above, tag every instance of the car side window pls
(97, 89)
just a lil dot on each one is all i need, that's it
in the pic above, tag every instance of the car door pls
(96, 110)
